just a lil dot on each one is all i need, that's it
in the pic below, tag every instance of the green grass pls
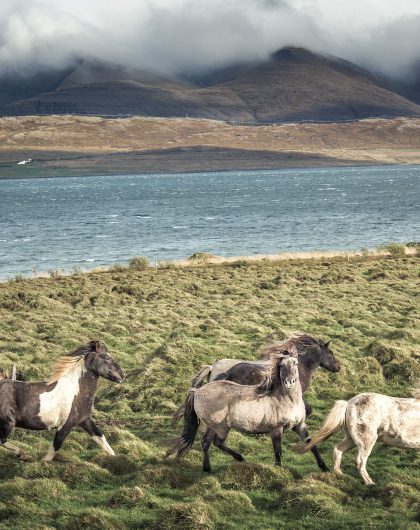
(161, 325)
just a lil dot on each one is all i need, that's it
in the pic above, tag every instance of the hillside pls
(162, 326)
(294, 84)
(84, 145)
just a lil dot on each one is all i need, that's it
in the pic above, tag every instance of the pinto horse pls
(63, 402)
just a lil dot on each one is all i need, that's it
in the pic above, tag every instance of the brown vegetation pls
(177, 144)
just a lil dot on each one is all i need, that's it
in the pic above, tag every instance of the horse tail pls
(335, 419)
(196, 382)
(199, 377)
(183, 443)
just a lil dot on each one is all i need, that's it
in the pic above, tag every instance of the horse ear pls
(95, 345)
(326, 344)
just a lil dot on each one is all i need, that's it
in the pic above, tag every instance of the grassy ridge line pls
(200, 259)
(162, 327)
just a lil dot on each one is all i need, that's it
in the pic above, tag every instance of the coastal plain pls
(161, 326)
(89, 145)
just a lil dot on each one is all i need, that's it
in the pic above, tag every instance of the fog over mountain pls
(184, 37)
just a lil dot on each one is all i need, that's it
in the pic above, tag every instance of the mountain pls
(294, 84)
(410, 88)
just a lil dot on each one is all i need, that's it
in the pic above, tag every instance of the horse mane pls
(272, 380)
(66, 364)
(301, 342)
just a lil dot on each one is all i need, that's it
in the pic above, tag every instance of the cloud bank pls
(186, 36)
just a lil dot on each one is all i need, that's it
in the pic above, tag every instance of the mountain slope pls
(299, 85)
(294, 84)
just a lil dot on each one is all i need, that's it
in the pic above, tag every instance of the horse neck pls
(89, 383)
(308, 363)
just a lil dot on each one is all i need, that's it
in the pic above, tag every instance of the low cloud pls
(186, 36)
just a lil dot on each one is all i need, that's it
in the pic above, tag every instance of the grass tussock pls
(189, 516)
(162, 324)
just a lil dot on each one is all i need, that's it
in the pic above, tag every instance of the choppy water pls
(85, 222)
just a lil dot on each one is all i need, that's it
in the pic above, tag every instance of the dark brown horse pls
(313, 353)
(63, 402)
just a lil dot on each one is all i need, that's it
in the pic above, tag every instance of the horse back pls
(246, 374)
(19, 403)
(241, 372)
(394, 420)
(404, 424)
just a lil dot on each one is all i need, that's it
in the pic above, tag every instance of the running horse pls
(366, 419)
(312, 354)
(63, 402)
(272, 407)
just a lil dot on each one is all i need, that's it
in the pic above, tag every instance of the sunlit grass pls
(162, 325)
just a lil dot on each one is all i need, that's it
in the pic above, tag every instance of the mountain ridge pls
(294, 84)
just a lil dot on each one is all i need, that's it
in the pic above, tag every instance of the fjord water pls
(85, 222)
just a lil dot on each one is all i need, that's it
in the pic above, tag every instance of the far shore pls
(81, 145)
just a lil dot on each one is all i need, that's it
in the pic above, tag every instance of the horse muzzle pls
(117, 378)
(289, 383)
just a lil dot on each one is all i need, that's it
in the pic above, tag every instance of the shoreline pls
(201, 259)
(203, 171)
(175, 162)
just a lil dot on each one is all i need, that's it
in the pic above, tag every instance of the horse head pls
(287, 367)
(327, 359)
(102, 364)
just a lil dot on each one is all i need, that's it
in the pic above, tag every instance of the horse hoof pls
(240, 458)
(324, 468)
(371, 483)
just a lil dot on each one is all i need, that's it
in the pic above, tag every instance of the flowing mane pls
(66, 364)
(302, 343)
(271, 380)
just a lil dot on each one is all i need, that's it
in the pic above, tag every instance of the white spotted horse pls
(366, 419)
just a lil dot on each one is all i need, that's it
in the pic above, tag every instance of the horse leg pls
(308, 408)
(302, 431)
(5, 431)
(341, 448)
(206, 442)
(364, 437)
(276, 435)
(219, 442)
(364, 451)
(59, 438)
(91, 428)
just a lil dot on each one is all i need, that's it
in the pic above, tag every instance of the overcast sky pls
(182, 36)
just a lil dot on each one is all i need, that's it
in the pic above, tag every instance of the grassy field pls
(161, 325)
